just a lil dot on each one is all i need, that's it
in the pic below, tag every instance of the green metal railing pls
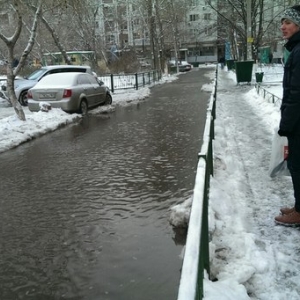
(267, 95)
(196, 257)
(130, 81)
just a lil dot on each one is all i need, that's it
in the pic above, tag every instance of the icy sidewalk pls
(247, 247)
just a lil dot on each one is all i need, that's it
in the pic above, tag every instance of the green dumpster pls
(243, 71)
(172, 69)
(195, 64)
(230, 64)
(259, 76)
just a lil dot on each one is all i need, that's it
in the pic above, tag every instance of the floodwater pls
(84, 210)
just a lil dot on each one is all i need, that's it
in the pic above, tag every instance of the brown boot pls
(287, 210)
(292, 219)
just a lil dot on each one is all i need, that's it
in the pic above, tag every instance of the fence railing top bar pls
(211, 101)
(207, 134)
(128, 74)
(189, 273)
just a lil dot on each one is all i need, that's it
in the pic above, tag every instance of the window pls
(207, 16)
(194, 18)
(93, 80)
(83, 80)
(207, 51)
(193, 31)
(110, 38)
(136, 35)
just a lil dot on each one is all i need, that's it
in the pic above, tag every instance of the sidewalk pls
(247, 248)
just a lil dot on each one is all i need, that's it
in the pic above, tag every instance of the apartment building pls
(124, 24)
(202, 33)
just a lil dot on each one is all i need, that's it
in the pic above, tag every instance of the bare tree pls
(233, 16)
(19, 8)
(10, 43)
(53, 33)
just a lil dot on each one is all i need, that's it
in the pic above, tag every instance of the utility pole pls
(249, 31)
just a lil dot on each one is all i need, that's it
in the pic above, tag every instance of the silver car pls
(22, 85)
(72, 92)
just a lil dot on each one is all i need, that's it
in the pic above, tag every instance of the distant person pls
(289, 125)
(222, 62)
(270, 57)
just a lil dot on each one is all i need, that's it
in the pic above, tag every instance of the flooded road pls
(84, 210)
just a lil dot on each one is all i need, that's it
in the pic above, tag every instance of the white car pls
(183, 65)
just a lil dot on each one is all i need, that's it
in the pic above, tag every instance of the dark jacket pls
(290, 107)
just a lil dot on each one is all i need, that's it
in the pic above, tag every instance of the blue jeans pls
(293, 163)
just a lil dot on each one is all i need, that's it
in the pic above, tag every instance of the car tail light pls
(67, 93)
(29, 95)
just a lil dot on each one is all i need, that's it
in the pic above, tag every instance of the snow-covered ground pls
(251, 257)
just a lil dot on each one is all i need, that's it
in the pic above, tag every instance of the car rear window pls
(83, 79)
(64, 70)
(36, 75)
(57, 79)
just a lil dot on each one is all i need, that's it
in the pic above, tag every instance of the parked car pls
(3, 84)
(183, 65)
(72, 92)
(24, 84)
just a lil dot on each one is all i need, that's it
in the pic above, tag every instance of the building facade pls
(203, 35)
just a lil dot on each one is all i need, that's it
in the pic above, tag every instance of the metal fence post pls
(112, 82)
(136, 81)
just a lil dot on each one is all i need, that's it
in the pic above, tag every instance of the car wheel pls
(108, 99)
(23, 98)
(83, 107)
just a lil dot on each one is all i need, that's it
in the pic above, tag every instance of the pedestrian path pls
(244, 146)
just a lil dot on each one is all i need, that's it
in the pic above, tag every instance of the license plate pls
(46, 95)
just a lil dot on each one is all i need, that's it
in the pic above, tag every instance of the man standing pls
(290, 110)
